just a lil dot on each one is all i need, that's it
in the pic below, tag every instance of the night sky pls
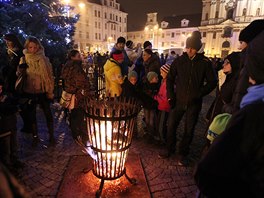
(137, 10)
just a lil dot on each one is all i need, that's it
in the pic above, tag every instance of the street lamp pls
(81, 5)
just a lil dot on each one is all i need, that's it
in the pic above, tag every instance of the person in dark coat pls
(231, 68)
(245, 37)
(151, 63)
(194, 77)
(234, 165)
(129, 87)
(15, 52)
(140, 65)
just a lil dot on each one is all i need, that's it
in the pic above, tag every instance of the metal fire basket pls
(110, 125)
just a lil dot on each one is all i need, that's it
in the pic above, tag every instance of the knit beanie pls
(129, 44)
(151, 75)
(234, 59)
(165, 68)
(251, 31)
(218, 125)
(132, 74)
(146, 44)
(121, 40)
(254, 60)
(194, 41)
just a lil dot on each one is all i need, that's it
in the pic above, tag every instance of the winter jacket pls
(152, 64)
(147, 93)
(193, 78)
(113, 78)
(129, 90)
(161, 97)
(75, 80)
(39, 73)
(9, 72)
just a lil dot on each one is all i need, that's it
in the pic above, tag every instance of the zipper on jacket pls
(188, 88)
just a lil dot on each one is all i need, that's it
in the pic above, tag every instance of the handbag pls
(67, 100)
(22, 77)
(21, 80)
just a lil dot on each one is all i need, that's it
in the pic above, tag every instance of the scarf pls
(255, 94)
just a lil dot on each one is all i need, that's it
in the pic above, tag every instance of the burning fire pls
(110, 137)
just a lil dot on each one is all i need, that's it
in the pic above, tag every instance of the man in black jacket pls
(194, 77)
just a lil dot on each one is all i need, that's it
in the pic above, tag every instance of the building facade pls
(222, 21)
(170, 34)
(101, 23)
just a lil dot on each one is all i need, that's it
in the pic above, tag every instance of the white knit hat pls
(165, 68)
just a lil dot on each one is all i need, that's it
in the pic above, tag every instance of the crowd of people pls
(169, 88)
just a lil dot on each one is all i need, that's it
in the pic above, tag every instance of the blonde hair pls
(33, 40)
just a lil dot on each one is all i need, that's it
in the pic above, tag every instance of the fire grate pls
(110, 125)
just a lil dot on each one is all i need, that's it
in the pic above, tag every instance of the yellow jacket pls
(113, 78)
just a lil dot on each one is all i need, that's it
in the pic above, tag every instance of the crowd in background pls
(168, 87)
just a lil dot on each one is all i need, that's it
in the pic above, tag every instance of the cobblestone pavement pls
(45, 165)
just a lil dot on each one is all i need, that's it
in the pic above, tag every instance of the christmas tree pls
(45, 19)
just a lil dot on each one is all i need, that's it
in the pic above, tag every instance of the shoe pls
(164, 155)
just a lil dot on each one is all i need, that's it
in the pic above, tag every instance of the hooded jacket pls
(193, 79)
(225, 94)
(113, 78)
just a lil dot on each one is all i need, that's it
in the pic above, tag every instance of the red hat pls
(118, 57)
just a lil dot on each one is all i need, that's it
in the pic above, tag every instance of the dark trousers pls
(162, 125)
(31, 112)
(78, 124)
(175, 116)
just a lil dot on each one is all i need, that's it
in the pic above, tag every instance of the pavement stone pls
(46, 164)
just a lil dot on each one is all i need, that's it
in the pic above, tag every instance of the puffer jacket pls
(193, 78)
(39, 73)
(113, 78)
